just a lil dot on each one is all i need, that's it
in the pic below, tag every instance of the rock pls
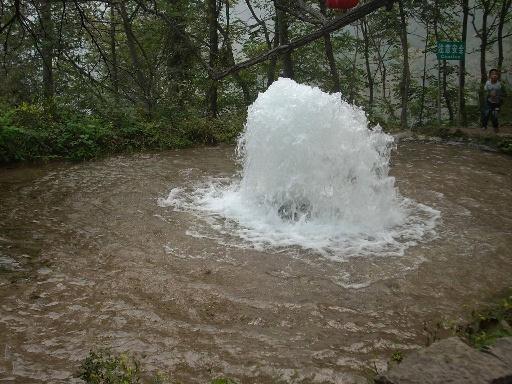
(505, 325)
(502, 349)
(452, 361)
(402, 135)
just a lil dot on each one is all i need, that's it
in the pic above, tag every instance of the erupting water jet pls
(313, 174)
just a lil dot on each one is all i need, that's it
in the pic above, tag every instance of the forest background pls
(81, 79)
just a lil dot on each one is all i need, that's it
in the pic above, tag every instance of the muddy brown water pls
(88, 259)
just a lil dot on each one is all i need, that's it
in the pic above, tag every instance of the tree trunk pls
(364, 28)
(271, 73)
(179, 54)
(424, 78)
(483, 53)
(282, 21)
(213, 39)
(329, 54)
(47, 50)
(383, 75)
(134, 57)
(114, 77)
(230, 58)
(443, 69)
(386, 94)
(352, 82)
(446, 95)
(462, 71)
(406, 75)
(503, 14)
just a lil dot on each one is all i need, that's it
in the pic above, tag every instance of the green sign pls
(450, 50)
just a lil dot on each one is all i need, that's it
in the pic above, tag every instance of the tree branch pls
(186, 37)
(329, 27)
(16, 15)
(261, 23)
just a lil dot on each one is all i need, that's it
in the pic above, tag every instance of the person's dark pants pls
(490, 111)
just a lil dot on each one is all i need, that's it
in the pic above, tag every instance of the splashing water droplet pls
(315, 176)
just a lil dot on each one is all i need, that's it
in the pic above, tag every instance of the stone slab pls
(452, 361)
(502, 349)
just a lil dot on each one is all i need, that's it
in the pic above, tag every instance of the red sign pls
(341, 4)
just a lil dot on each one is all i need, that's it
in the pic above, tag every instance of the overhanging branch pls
(329, 27)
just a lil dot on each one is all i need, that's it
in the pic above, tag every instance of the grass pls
(397, 357)
(106, 367)
(489, 323)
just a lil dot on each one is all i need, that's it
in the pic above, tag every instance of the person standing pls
(494, 93)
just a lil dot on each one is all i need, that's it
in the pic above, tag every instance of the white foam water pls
(313, 175)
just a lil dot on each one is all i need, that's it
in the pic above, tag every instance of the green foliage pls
(208, 131)
(102, 367)
(111, 96)
(31, 116)
(489, 324)
(28, 132)
(105, 367)
(397, 356)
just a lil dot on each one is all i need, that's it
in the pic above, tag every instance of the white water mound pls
(311, 154)
(315, 176)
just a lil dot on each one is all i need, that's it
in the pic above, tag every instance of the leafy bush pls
(101, 367)
(31, 132)
(18, 143)
(200, 130)
(32, 116)
(85, 138)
